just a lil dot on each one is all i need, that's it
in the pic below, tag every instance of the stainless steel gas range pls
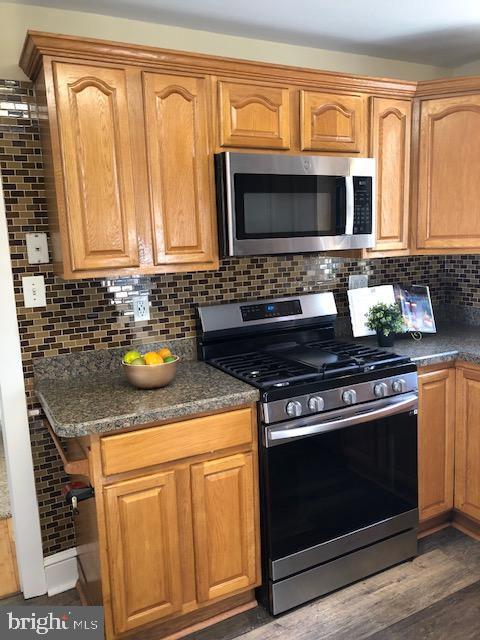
(338, 443)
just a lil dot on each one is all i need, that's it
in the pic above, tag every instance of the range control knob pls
(349, 396)
(316, 403)
(294, 409)
(399, 385)
(380, 390)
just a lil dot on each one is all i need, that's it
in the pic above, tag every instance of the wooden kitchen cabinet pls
(253, 116)
(129, 169)
(98, 221)
(448, 216)
(179, 169)
(436, 442)
(391, 124)
(144, 553)
(331, 122)
(224, 514)
(172, 538)
(467, 443)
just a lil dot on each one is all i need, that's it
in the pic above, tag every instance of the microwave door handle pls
(279, 435)
(349, 205)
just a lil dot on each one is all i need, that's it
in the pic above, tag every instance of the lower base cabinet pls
(173, 532)
(143, 539)
(224, 525)
(436, 441)
(449, 445)
(467, 442)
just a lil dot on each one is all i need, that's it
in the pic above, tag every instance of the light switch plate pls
(34, 291)
(37, 248)
(358, 281)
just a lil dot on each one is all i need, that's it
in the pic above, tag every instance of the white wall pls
(15, 19)
(469, 69)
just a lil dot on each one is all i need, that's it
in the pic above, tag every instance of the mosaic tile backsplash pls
(88, 315)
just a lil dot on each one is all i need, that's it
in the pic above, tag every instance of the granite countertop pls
(104, 401)
(453, 341)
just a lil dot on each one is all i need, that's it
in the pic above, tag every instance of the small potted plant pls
(386, 320)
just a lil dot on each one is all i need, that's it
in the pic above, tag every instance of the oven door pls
(294, 204)
(333, 484)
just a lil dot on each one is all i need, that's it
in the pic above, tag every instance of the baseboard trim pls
(61, 571)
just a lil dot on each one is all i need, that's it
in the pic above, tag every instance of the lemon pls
(138, 361)
(130, 356)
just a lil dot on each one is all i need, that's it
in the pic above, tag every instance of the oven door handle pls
(279, 434)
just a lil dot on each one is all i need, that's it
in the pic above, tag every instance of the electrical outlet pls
(141, 308)
(34, 291)
(358, 281)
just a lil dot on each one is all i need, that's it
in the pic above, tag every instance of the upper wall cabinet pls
(330, 122)
(254, 116)
(180, 168)
(449, 170)
(100, 228)
(391, 122)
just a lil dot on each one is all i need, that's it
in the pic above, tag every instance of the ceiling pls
(437, 32)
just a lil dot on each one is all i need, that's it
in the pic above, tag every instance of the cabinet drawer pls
(147, 447)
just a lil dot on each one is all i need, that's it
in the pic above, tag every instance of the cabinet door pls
(95, 143)
(224, 526)
(467, 443)
(436, 434)
(143, 539)
(449, 167)
(330, 122)
(391, 129)
(180, 165)
(254, 116)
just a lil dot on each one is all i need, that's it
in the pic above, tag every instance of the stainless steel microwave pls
(277, 204)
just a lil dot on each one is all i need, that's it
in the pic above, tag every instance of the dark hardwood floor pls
(434, 597)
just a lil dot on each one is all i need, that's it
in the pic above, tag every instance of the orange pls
(164, 353)
(152, 357)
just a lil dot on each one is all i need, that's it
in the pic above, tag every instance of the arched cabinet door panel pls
(391, 124)
(180, 169)
(330, 122)
(448, 179)
(98, 172)
(254, 116)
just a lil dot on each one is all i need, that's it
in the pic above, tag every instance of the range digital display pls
(271, 310)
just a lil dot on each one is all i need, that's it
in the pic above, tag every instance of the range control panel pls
(263, 311)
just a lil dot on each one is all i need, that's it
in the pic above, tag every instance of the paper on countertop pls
(360, 301)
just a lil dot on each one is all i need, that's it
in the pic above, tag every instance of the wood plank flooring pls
(434, 597)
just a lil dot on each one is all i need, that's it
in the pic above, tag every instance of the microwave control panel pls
(362, 203)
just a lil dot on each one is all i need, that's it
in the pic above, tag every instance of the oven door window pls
(286, 206)
(326, 486)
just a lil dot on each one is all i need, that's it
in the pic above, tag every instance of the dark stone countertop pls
(453, 341)
(104, 401)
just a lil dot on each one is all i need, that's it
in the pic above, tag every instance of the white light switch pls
(37, 248)
(34, 291)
